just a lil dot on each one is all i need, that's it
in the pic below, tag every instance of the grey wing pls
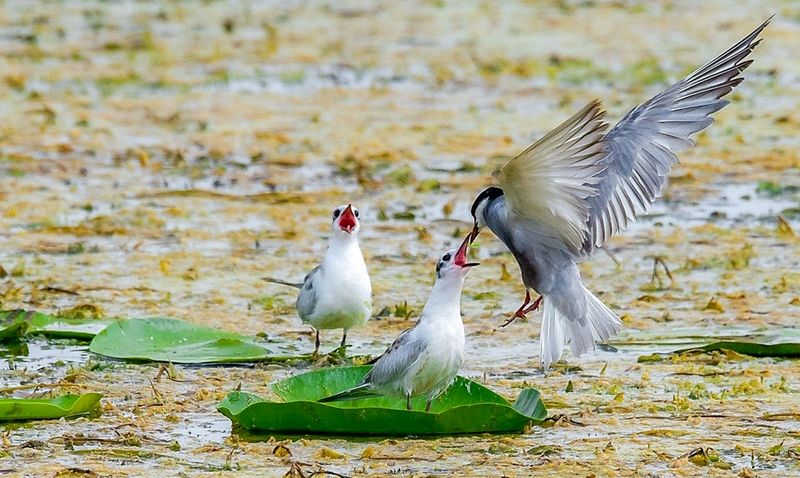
(307, 299)
(643, 144)
(404, 351)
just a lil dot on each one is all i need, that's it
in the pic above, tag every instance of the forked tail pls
(355, 393)
(296, 285)
(599, 324)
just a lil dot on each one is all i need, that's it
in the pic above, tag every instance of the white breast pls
(440, 362)
(343, 291)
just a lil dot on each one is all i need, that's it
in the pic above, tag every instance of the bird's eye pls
(446, 257)
(356, 212)
(336, 213)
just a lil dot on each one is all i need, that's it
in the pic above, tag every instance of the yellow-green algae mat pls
(466, 407)
(69, 405)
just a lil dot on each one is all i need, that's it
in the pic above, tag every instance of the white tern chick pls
(424, 359)
(336, 294)
(567, 194)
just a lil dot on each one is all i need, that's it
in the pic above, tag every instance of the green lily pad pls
(466, 407)
(174, 340)
(68, 405)
(15, 323)
(62, 327)
(752, 349)
(690, 336)
(12, 325)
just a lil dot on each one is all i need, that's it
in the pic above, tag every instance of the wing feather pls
(643, 144)
(550, 181)
(307, 298)
(396, 360)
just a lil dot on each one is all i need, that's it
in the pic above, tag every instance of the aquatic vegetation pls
(466, 407)
(69, 405)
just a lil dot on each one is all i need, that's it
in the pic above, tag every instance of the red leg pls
(520, 313)
(533, 306)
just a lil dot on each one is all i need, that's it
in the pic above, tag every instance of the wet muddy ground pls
(158, 159)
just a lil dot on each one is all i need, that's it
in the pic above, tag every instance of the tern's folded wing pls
(551, 180)
(398, 358)
(643, 144)
(307, 299)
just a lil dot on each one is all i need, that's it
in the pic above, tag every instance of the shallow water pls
(39, 354)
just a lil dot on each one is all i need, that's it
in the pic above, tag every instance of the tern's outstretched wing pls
(398, 358)
(643, 144)
(307, 299)
(550, 181)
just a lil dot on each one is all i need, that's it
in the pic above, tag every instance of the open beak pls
(348, 221)
(473, 234)
(461, 255)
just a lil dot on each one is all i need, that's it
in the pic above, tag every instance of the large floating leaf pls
(753, 349)
(38, 409)
(174, 340)
(466, 407)
(15, 323)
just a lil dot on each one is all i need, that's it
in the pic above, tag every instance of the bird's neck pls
(445, 299)
(483, 207)
(343, 248)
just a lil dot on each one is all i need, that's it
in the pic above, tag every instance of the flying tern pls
(562, 198)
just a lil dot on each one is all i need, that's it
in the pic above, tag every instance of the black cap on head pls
(489, 194)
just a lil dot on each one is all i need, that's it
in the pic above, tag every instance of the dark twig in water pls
(612, 257)
(296, 471)
(656, 279)
(156, 394)
(557, 419)
(60, 290)
(169, 369)
(328, 472)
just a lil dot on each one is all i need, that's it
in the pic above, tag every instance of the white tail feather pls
(605, 323)
(551, 340)
(600, 324)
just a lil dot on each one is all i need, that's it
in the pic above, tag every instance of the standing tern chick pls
(424, 359)
(567, 194)
(336, 294)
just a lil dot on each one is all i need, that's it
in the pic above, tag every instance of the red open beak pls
(461, 254)
(348, 221)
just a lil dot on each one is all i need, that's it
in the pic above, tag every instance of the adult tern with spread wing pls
(563, 197)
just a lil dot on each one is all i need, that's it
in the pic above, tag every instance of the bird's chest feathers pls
(347, 276)
(539, 254)
(447, 348)
(443, 356)
(344, 287)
